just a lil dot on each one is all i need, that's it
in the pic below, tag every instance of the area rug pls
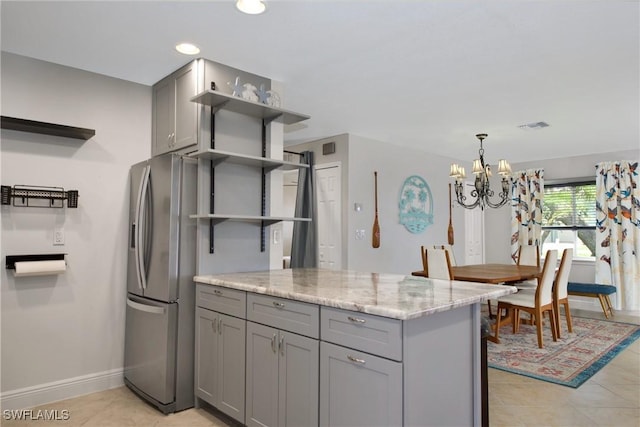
(570, 361)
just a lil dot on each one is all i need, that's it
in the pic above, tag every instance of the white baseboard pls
(42, 394)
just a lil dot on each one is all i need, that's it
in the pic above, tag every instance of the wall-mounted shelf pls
(267, 220)
(217, 157)
(45, 128)
(38, 197)
(217, 100)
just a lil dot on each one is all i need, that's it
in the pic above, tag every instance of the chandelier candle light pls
(482, 190)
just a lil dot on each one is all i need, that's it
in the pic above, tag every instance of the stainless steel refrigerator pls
(159, 335)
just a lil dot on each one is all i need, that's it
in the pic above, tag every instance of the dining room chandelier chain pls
(482, 193)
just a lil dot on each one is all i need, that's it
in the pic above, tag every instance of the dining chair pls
(560, 292)
(449, 249)
(535, 303)
(528, 255)
(438, 264)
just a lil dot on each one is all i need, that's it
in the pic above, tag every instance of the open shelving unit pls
(219, 101)
(268, 220)
(218, 156)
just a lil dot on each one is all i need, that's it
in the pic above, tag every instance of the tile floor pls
(610, 398)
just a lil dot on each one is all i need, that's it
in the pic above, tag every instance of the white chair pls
(528, 255)
(438, 264)
(560, 293)
(449, 249)
(535, 303)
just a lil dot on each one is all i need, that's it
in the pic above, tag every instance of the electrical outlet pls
(360, 234)
(58, 237)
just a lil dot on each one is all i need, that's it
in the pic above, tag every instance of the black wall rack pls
(38, 197)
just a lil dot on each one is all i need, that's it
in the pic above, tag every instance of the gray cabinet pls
(282, 378)
(175, 117)
(220, 361)
(359, 389)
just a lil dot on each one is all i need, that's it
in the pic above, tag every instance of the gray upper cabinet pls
(175, 117)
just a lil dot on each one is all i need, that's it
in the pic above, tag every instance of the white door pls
(474, 231)
(328, 192)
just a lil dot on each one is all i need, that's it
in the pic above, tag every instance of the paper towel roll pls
(39, 268)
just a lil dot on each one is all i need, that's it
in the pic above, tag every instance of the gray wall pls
(399, 250)
(68, 328)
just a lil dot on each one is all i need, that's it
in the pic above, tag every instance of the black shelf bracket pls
(38, 197)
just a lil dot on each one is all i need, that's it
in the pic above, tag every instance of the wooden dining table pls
(492, 273)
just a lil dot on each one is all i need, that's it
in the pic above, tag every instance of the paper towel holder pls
(12, 259)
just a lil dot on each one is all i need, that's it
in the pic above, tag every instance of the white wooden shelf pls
(218, 156)
(268, 220)
(217, 100)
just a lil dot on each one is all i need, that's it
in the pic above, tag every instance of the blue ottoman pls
(594, 290)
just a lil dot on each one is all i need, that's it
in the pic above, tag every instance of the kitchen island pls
(332, 348)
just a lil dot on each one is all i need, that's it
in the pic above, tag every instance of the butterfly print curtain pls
(618, 231)
(527, 193)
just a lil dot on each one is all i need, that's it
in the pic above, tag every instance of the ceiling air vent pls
(535, 125)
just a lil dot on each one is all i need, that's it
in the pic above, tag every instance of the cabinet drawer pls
(222, 300)
(358, 389)
(372, 334)
(293, 316)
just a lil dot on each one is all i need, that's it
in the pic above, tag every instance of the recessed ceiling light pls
(188, 48)
(252, 7)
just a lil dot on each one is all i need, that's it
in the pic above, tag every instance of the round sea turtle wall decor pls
(416, 204)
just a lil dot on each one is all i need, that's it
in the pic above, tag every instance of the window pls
(569, 218)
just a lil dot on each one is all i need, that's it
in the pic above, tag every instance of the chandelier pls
(482, 191)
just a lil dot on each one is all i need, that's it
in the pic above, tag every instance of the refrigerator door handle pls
(146, 308)
(140, 237)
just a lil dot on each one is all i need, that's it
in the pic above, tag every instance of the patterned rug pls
(570, 361)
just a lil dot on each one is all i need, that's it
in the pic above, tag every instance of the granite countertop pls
(389, 295)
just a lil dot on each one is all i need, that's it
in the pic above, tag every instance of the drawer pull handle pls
(281, 345)
(273, 343)
(278, 304)
(214, 325)
(356, 360)
(217, 292)
(356, 319)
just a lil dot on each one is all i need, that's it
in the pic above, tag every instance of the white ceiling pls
(426, 74)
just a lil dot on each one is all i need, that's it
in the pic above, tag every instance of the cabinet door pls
(298, 380)
(358, 389)
(206, 355)
(262, 375)
(186, 112)
(163, 116)
(230, 372)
